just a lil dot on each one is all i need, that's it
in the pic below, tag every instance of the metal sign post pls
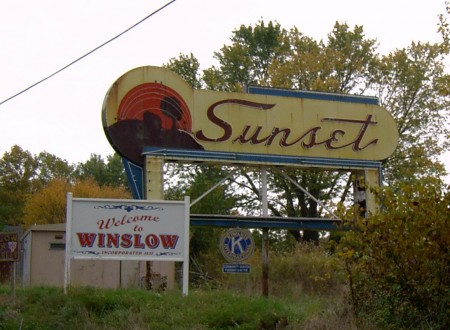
(265, 238)
(9, 252)
(13, 281)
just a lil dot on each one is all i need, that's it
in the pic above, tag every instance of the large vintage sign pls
(150, 109)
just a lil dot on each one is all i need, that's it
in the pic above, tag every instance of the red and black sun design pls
(151, 115)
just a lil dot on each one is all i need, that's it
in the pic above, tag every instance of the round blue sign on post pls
(236, 244)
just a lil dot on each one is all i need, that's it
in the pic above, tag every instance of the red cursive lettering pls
(287, 137)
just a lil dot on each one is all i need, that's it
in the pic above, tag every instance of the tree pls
(398, 260)
(17, 173)
(48, 205)
(22, 175)
(248, 59)
(115, 172)
(18, 169)
(411, 84)
(111, 173)
(50, 167)
(342, 64)
(186, 67)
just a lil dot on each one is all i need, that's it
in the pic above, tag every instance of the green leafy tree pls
(115, 171)
(341, 64)
(186, 67)
(18, 169)
(22, 175)
(109, 173)
(17, 174)
(398, 260)
(411, 84)
(50, 167)
(247, 60)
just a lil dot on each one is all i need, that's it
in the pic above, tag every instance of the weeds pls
(307, 291)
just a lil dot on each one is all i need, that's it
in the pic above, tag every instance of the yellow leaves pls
(90, 189)
(48, 205)
(346, 253)
(401, 253)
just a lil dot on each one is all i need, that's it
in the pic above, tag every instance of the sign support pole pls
(265, 238)
(68, 243)
(186, 246)
(154, 190)
(364, 181)
(372, 180)
(13, 281)
(9, 253)
(154, 178)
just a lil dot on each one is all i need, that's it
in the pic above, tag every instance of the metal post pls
(265, 238)
(154, 189)
(365, 180)
(68, 252)
(372, 178)
(154, 178)
(13, 281)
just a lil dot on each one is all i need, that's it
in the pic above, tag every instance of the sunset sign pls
(151, 110)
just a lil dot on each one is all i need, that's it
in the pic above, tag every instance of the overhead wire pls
(87, 54)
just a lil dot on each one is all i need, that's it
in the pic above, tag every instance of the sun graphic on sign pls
(150, 115)
(159, 100)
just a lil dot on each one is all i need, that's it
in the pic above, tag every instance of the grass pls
(306, 291)
(89, 308)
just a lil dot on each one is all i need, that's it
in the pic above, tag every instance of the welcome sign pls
(151, 110)
(112, 229)
(127, 229)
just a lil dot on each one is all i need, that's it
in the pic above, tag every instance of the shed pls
(43, 261)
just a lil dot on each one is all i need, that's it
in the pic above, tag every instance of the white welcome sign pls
(111, 229)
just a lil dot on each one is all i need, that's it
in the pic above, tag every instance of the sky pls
(62, 115)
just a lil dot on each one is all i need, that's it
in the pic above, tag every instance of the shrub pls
(398, 260)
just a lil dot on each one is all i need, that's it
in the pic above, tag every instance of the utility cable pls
(88, 53)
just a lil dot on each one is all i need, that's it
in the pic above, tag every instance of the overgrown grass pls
(307, 291)
(307, 269)
(89, 308)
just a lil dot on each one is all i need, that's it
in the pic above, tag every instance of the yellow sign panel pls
(152, 107)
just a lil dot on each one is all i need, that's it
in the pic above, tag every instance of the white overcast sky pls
(63, 114)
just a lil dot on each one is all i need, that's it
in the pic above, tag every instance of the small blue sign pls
(236, 268)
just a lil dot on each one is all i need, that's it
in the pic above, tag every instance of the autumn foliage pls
(398, 260)
(48, 205)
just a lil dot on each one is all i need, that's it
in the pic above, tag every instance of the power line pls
(88, 53)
